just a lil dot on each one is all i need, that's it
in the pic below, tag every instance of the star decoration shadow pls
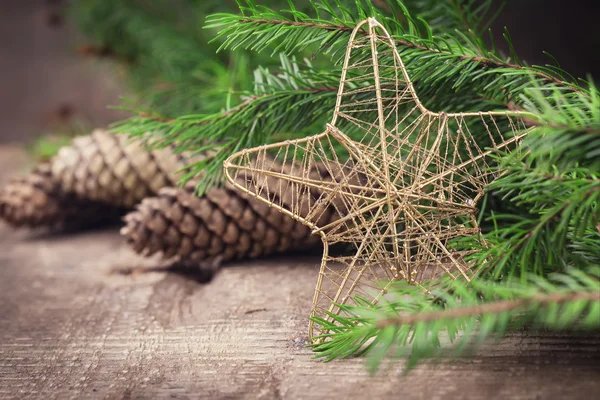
(405, 184)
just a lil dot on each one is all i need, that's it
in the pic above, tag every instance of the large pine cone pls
(223, 224)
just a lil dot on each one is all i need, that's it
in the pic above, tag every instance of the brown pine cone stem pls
(223, 224)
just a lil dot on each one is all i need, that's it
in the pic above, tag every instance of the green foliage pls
(450, 73)
(555, 186)
(456, 315)
(538, 263)
(252, 121)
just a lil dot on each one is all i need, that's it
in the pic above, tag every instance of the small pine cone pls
(37, 200)
(223, 224)
(114, 170)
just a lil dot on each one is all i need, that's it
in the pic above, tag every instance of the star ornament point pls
(403, 181)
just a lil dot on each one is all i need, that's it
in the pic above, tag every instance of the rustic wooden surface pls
(72, 325)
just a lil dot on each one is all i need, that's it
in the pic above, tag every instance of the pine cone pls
(37, 200)
(114, 170)
(95, 178)
(223, 224)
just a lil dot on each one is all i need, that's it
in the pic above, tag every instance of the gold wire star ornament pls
(405, 185)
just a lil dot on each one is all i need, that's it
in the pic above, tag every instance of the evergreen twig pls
(412, 324)
(489, 308)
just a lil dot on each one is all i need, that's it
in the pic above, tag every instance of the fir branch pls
(549, 192)
(297, 24)
(237, 31)
(447, 75)
(290, 99)
(490, 308)
(561, 127)
(217, 117)
(411, 324)
(440, 86)
(556, 211)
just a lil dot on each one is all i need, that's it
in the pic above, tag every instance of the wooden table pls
(72, 325)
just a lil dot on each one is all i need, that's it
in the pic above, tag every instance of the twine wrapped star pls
(405, 185)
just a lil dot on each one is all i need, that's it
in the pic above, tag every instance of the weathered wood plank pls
(71, 327)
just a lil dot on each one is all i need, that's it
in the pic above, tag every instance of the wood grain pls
(72, 326)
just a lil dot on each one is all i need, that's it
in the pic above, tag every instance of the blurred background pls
(49, 83)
